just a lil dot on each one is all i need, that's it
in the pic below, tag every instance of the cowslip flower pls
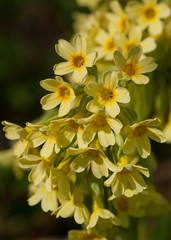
(49, 199)
(95, 158)
(137, 136)
(101, 217)
(67, 129)
(43, 135)
(118, 18)
(148, 14)
(106, 44)
(107, 94)
(128, 207)
(77, 58)
(126, 175)
(74, 206)
(134, 38)
(16, 132)
(62, 94)
(101, 125)
(132, 67)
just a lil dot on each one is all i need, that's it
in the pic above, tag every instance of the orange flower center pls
(78, 61)
(150, 13)
(139, 131)
(107, 95)
(64, 92)
(130, 69)
(110, 45)
(100, 120)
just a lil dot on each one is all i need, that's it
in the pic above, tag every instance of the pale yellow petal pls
(119, 60)
(148, 44)
(122, 95)
(156, 27)
(36, 197)
(80, 43)
(156, 135)
(64, 49)
(129, 144)
(99, 169)
(91, 59)
(147, 65)
(63, 68)
(93, 89)
(47, 148)
(50, 84)
(110, 79)
(88, 134)
(49, 101)
(143, 146)
(164, 10)
(78, 76)
(94, 106)
(49, 201)
(112, 109)
(106, 138)
(64, 108)
(115, 124)
(134, 54)
(141, 79)
(79, 163)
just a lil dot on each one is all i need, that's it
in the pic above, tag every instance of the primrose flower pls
(134, 38)
(67, 129)
(127, 175)
(90, 156)
(138, 134)
(48, 199)
(118, 18)
(40, 167)
(128, 207)
(107, 95)
(15, 132)
(77, 58)
(106, 44)
(74, 207)
(101, 217)
(43, 135)
(132, 68)
(62, 94)
(104, 126)
(148, 14)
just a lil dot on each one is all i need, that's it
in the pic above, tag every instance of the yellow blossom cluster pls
(87, 162)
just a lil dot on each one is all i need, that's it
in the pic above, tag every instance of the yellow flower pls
(83, 235)
(62, 94)
(106, 44)
(128, 207)
(104, 126)
(90, 156)
(148, 14)
(77, 58)
(43, 135)
(49, 199)
(15, 132)
(118, 19)
(107, 95)
(132, 68)
(74, 207)
(67, 129)
(134, 38)
(126, 175)
(40, 167)
(101, 217)
(138, 134)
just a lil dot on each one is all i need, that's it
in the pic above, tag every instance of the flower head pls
(77, 58)
(107, 95)
(138, 134)
(104, 126)
(132, 68)
(148, 14)
(62, 94)
(127, 175)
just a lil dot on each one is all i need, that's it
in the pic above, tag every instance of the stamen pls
(130, 69)
(78, 61)
(107, 95)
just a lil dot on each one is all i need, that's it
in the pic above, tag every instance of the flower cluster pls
(86, 160)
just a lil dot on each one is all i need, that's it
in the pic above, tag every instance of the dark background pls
(29, 30)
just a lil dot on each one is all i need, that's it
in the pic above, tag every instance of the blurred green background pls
(29, 30)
